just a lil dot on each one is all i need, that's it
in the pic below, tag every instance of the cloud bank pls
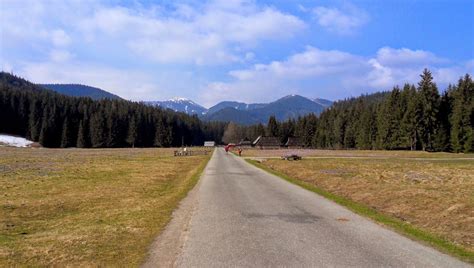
(329, 73)
(208, 51)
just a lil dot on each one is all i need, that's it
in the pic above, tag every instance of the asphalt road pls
(247, 217)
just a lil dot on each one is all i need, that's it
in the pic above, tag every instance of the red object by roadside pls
(229, 146)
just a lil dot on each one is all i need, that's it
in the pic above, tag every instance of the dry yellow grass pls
(87, 207)
(436, 195)
(352, 153)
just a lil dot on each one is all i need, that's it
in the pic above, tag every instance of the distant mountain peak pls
(179, 104)
(290, 106)
(292, 96)
(180, 99)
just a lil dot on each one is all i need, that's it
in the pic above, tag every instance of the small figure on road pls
(240, 151)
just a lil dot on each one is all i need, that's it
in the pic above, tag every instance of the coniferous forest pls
(56, 120)
(408, 118)
(414, 117)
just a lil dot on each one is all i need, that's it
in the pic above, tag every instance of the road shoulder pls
(389, 222)
(167, 246)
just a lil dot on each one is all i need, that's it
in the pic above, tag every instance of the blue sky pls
(253, 51)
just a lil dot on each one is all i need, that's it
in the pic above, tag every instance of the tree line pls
(56, 120)
(409, 118)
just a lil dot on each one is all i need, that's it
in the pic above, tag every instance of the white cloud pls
(153, 50)
(193, 34)
(343, 20)
(196, 33)
(60, 55)
(310, 63)
(393, 66)
(249, 56)
(380, 76)
(60, 38)
(404, 56)
(41, 21)
(331, 73)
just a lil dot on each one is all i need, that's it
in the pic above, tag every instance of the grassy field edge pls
(190, 185)
(391, 222)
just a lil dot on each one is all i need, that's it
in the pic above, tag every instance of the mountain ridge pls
(290, 106)
(79, 90)
(179, 104)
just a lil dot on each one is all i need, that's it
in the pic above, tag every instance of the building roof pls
(267, 141)
(245, 142)
(293, 141)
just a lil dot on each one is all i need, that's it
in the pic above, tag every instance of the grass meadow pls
(94, 207)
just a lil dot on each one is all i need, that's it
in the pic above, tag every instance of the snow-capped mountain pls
(180, 105)
(290, 106)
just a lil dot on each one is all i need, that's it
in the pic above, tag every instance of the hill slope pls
(230, 114)
(179, 105)
(76, 90)
(235, 105)
(56, 120)
(285, 108)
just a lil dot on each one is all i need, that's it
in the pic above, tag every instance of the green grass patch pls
(394, 223)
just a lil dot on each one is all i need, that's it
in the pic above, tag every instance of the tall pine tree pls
(429, 98)
(272, 127)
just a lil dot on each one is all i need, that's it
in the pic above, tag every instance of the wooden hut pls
(245, 143)
(263, 142)
(294, 143)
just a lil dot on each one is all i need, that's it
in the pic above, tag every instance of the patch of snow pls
(179, 99)
(14, 141)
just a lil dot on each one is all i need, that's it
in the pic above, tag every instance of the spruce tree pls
(412, 118)
(260, 130)
(390, 115)
(132, 132)
(441, 139)
(34, 120)
(160, 133)
(48, 127)
(309, 130)
(81, 139)
(429, 98)
(462, 115)
(65, 135)
(97, 130)
(366, 132)
(272, 127)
